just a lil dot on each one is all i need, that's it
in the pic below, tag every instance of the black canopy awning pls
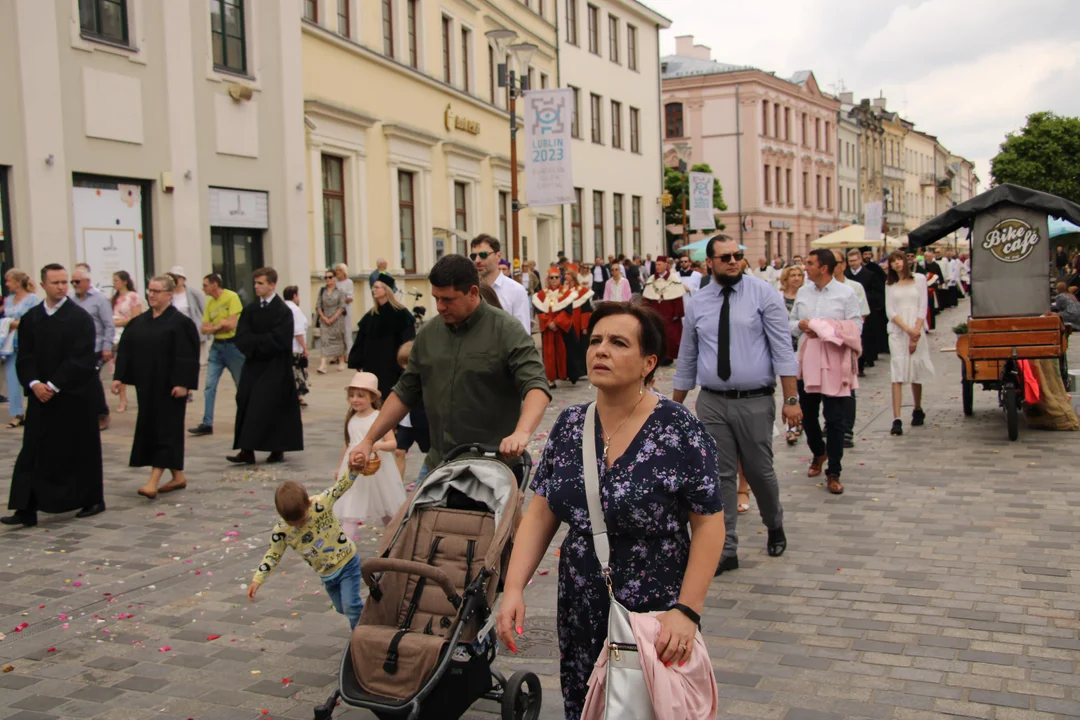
(963, 215)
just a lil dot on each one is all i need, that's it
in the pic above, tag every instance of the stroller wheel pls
(522, 696)
(326, 710)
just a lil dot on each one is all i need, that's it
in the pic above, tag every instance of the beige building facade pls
(408, 134)
(143, 134)
(771, 143)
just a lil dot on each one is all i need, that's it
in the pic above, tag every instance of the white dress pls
(372, 497)
(909, 302)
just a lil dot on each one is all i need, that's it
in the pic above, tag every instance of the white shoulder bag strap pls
(592, 489)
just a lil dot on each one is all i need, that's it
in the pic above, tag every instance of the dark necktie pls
(723, 338)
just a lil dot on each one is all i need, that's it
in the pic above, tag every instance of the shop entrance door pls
(236, 254)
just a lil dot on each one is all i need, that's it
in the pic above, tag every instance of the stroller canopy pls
(483, 480)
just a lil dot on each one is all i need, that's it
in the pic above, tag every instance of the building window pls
(466, 52)
(777, 118)
(765, 118)
(806, 189)
(575, 227)
(531, 78)
(767, 176)
(311, 10)
(635, 218)
(504, 217)
(344, 19)
(787, 185)
(594, 29)
(107, 19)
(828, 145)
(631, 47)
(598, 223)
(616, 124)
(817, 190)
(414, 43)
(802, 130)
(227, 34)
(617, 215)
(828, 192)
(333, 184)
(447, 25)
(540, 7)
(787, 124)
(597, 130)
(388, 26)
(817, 133)
(407, 220)
(635, 130)
(575, 118)
(543, 81)
(491, 72)
(768, 244)
(613, 38)
(461, 216)
(778, 176)
(673, 120)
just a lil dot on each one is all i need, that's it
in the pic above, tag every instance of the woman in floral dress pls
(126, 305)
(657, 474)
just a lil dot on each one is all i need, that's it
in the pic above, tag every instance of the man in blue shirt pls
(735, 342)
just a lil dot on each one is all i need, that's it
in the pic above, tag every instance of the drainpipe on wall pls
(738, 160)
(660, 142)
(561, 242)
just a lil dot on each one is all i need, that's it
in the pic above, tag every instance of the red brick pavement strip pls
(942, 582)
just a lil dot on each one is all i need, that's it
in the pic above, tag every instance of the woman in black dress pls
(159, 355)
(379, 334)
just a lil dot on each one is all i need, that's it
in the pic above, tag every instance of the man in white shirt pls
(691, 278)
(486, 254)
(825, 298)
(765, 271)
(299, 342)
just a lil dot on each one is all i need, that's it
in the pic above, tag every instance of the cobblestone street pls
(944, 581)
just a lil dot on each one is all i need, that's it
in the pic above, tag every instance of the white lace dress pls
(372, 497)
(908, 301)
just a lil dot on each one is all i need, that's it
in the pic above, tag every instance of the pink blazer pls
(828, 363)
(678, 693)
(610, 292)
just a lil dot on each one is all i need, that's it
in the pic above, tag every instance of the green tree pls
(675, 183)
(1044, 155)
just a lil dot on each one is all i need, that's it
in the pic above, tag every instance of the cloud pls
(968, 72)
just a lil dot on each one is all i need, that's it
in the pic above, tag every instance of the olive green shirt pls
(471, 379)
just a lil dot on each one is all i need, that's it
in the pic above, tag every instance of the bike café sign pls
(454, 121)
(1011, 240)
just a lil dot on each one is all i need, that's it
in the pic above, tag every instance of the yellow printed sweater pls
(320, 541)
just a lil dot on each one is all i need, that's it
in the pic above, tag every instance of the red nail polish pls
(513, 649)
(519, 630)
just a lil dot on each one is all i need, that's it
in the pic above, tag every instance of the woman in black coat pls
(379, 334)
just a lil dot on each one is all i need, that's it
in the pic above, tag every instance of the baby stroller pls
(425, 642)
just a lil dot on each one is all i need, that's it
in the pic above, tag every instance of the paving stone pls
(1005, 699)
(96, 694)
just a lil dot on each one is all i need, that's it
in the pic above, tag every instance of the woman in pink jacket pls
(618, 287)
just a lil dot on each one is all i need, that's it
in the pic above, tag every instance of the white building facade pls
(609, 55)
(138, 134)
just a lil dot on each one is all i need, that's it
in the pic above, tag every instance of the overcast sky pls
(968, 71)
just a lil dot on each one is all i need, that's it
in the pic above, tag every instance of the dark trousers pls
(103, 403)
(832, 443)
(849, 416)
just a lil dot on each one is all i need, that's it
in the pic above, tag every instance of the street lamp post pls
(685, 152)
(517, 85)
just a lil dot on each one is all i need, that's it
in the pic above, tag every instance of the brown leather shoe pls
(815, 465)
(834, 486)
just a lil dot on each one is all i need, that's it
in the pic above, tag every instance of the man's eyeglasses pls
(77, 282)
(482, 255)
(726, 257)
(152, 291)
(329, 277)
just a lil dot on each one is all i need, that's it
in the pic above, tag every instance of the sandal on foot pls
(17, 422)
(148, 494)
(744, 502)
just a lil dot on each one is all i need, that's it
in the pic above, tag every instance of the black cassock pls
(875, 332)
(267, 406)
(59, 466)
(378, 337)
(156, 355)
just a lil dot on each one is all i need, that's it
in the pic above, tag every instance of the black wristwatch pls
(688, 612)
(793, 400)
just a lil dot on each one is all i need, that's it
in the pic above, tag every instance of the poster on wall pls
(701, 201)
(108, 251)
(872, 213)
(109, 231)
(548, 122)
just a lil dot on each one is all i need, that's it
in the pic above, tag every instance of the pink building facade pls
(771, 142)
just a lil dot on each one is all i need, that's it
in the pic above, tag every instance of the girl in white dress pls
(905, 305)
(378, 494)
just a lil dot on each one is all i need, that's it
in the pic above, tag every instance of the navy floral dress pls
(667, 471)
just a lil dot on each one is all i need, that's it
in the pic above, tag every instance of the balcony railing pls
(893, 172)
(928, 179)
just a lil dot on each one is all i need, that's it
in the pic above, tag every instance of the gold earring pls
(641, 390)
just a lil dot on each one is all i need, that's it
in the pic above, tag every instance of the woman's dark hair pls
(652, 337)
(825, 258)
(290, 292)
(126, 279)
(455, 271)
(891, 276)
(487, 294)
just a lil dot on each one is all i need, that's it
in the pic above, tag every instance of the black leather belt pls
(742, 394)
(225, 340)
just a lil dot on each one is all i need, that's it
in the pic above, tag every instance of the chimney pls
(879, 102)
(847, 98)
(685, 47)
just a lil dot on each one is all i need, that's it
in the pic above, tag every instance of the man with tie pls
(735, 343)
(267, 406)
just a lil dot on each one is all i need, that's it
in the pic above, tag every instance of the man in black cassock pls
(875, 338)
(159, 355)
(267, 406)
(59, 467)
(934, 278)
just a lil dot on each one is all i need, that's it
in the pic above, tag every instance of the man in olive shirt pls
(222, 313)
(478, 372)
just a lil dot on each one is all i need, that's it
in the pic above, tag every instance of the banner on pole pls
(872, 213)
(701, 201)
(548, 173)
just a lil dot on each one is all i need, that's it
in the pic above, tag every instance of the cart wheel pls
(967, 390)
(521, 697)
(1012, 414)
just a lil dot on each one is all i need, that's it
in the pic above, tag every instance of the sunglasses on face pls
(77, 282)
(329, 277)
(726, 257)
(482, 255)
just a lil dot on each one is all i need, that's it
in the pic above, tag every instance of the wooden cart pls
(989, 353)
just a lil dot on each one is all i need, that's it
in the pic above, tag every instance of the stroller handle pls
(371, 566)
(485, 450)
